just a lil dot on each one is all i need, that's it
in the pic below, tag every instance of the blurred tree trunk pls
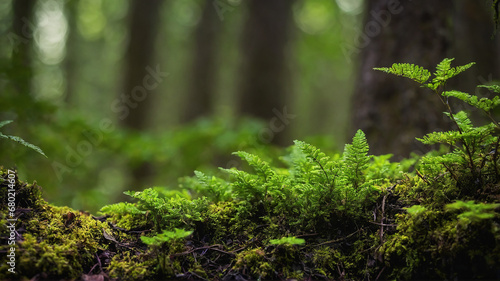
(201, 91)
(265, 78)
(21, 72)
(136, 96)
(70, 61)
(473, 41)
(392, 111)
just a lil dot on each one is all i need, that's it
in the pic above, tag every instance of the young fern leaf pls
(216, 187)
(261, 167)
(411, 71)
(356, 159)
(462, 120)
(444, 71)
(247, 187)
(319, 158)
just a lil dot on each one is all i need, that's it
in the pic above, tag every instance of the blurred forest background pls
(123, 95)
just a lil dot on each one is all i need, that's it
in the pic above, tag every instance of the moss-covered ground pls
(312, 216)
(58, 243)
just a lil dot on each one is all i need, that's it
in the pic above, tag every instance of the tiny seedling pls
(287, 241)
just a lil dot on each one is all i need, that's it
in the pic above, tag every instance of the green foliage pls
(416, 210)
(287, 241)
(411, 71)
(470, 162)
(364, 216)
(444, 72)
(356, 159)
(165, 236)
(442, 217)
(485, 104)
(18, 139)
(474, 212)
(163, 212)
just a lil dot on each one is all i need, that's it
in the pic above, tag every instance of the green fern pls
(323, 165)
(19, 140)
(356, 159)
(493, 88)
(444, 72)
(411, 71)
(474, 212)
(261, 167)
(485, 104)
(165, 236)
(216, 188)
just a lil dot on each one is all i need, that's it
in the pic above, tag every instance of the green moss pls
(127, 267)
(56, 241)
(254, 263)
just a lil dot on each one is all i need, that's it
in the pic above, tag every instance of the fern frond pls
(260, 166)
(356, 158)
(485, 104)
(320, 159)
(434, 162)
(217, 188)
(462, 120)
(493, 88)
(444, 71)
(473, 211)
(3, 123)
(23, 142)
(247, 187)
(411, 71)
(441, 138)
(19, 140)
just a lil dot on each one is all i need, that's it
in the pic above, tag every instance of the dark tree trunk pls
(265, 78)
(21, 72)
(473, 42)
(392, 111)
(137, 91)
(202, 84)
(143, 26)
(70, 61)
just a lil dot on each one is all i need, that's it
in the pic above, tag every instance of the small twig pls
(97, 264)
(421, 176)
(340, 239)
(380, 273)
(211, 247)
(383, 224)
(450, 171)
